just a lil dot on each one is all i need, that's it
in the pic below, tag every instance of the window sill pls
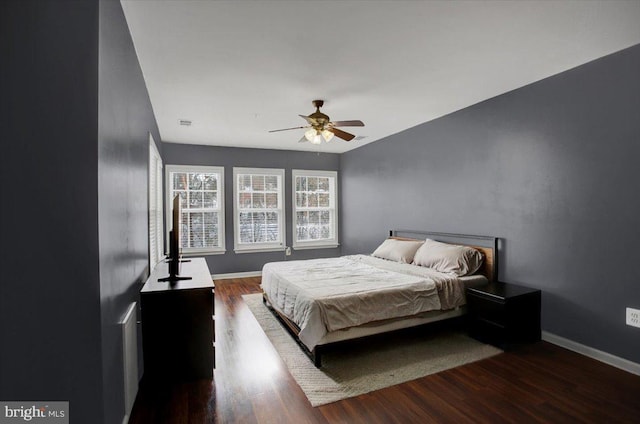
(315, 246)
(203, 253)
(260, 250)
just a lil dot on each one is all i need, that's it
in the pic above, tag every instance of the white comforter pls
(324, 295)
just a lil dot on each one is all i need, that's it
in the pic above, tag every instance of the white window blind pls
(315, 208)
(258, 209)
(201, 190)
(156, 239)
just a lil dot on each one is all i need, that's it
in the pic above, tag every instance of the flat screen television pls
(174, 245)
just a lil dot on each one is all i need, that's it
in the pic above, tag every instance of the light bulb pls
(316, 139)
(327, 135)
(310, 134)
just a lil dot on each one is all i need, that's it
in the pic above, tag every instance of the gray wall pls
(74, 127)
(550, 168)
(124, 122)
(49, 286)
(229, 157)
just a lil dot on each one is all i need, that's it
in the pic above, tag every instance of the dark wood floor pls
(537, 383)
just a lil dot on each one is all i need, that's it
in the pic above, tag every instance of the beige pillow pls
(397, 250)
(448, 258)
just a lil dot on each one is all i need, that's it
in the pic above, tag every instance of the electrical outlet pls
(633, 317)
(287, 251)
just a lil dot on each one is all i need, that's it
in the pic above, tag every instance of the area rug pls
(363, 367)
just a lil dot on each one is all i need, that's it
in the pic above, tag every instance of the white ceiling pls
(240, 68)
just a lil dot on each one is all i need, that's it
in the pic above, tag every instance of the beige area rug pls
(370, 365)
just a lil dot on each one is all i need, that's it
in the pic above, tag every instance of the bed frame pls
(485, 244)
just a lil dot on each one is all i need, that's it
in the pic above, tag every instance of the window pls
(156, 240)
(201, 189)
(315, 210)
(258, 209)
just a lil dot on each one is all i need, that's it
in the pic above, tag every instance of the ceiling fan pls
(321, 127)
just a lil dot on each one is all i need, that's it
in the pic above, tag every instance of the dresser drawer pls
(486, 308)
(488, 332)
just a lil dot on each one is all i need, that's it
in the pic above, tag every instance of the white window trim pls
(314, 244)
(259, 247)
(156, 247)
(221, 217)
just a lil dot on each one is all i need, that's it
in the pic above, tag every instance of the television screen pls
(174, 244)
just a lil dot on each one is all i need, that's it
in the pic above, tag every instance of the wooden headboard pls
(489, 266)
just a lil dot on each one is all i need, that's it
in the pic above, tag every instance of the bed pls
(413, 278)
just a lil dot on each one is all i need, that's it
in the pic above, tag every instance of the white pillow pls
(448, 258)
(397, 250)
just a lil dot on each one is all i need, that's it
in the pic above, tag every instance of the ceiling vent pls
(184, 122)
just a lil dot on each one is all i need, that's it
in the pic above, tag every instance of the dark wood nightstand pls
(504, 314)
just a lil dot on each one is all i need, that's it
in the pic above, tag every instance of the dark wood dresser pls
(178, 326)
(504, 314)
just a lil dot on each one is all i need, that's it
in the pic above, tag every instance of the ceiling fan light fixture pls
(327, 135)
(320, 127)
(310, 134)
(313, 136)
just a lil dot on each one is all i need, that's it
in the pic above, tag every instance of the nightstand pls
(504, 314)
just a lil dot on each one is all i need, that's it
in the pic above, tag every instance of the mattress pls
(322, 296)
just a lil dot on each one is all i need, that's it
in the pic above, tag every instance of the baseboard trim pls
(598, 355)
(237, 275)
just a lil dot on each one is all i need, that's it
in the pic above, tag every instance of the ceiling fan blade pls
(287, 129)
(354, 123)
(342, 134)
(309, 119)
